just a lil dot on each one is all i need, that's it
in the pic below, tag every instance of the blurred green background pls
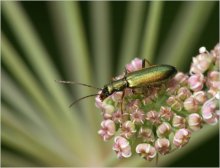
(90, 42)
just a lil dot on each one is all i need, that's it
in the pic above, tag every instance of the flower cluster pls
(158, 119)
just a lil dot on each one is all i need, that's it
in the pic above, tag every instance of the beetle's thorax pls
(114, 86)
(117, 85)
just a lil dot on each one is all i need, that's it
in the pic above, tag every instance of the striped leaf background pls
(90, 42)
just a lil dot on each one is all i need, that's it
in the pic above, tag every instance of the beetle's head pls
(105, 93)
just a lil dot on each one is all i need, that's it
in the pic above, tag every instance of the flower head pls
(213, 81)
(162, 145)
(209, 110)
(146, 134)
(137, 116)
(181, 78)
(163, 129)
(153, 117)
(117, 117)
(159, 117)
(135, 65)
(133, 105)
(98, 102)
(202, 62)
(181, 137)
(128, 129)
(179, 121)
(175, 103)
(191, 104)
(195, 121)
(107, 130)
(146, 151)
(122, 147)
(166, 113)
(200, 96)
(183, 93)
(196, 82)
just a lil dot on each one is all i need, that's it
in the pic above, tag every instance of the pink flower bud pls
(117, 117)
(202, 50)
(107, 130)
(181, 78)
(183, 93)
(201, 63)
(146, 151)
(213, 81)
(179, 122)
(146, 134)
(216, 54)
(191, 104)
(163, 130)
(162, 145)
(146, 101)
(117, 96)
(174, 103)
(108, 108)
(136, 64)
(209, 110)
(194, 121)
(196, 82)
(181, 137)
(213, 76)
(128, 129)
(137, 117)
(171, 100)
(212, 92)
(153, 117)
(133, 105)
(98, 102)
(216, 50)
(200, 96)
(166, 113)
(172, 87)
(122, 147)
(108, 111)
(107, 116)
(153, 93)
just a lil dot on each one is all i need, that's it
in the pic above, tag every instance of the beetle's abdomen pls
(150, 76)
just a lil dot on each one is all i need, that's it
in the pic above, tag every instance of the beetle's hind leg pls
(122, 101)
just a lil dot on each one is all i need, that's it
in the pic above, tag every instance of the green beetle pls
(149, 75)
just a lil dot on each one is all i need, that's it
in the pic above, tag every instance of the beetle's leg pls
(157, 160)
(122, 101)
(123, 92)
(126, 71)
(146, 63)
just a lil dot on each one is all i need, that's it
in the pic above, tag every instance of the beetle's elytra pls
(149, 76)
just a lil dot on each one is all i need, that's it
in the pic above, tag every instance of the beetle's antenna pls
(81, 99)
(77, 83)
